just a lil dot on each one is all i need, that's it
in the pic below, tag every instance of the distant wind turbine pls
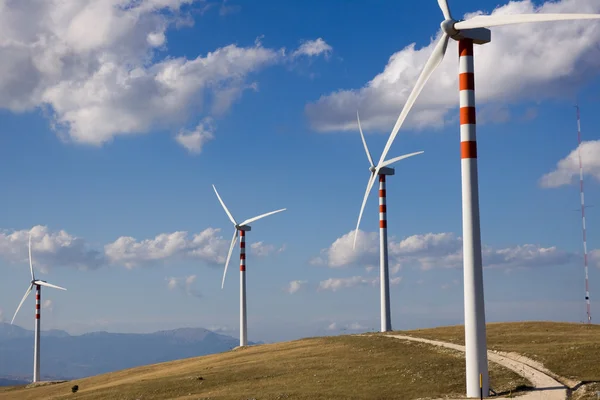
(38, 295)
(381, 170)
(467, 33)
(242, 229)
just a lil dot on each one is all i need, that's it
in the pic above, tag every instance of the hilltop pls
(369, 366)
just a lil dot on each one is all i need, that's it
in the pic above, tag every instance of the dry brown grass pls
(343, 367)
(567, 349)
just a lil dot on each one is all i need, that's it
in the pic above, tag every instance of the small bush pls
(75, 388)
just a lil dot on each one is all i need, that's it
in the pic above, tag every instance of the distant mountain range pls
(69, 357)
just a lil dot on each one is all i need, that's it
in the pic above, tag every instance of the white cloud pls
(115, 79)
(430, 250)
(335, 284)
(49, 249)
(225, 9)
(312, 48)
(594, 258)
(59, 248)
(184, 284)
(332, 327)
(48, 305)
(567, 169)
(521, 63)
(341, 252)
(208, 246)
(221, 329)
(195, 140)
(261, 249)
(295, 286)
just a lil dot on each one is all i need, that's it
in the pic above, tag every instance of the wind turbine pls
(242, 229)
(38, 295)
(381, 170)
(467, 33)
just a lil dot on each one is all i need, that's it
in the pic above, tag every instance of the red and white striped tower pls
(585, 255)
(243, 326)
(36, 347)
(386, 319)
(475, 330)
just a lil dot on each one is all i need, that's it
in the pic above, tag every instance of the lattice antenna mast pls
(585, 255)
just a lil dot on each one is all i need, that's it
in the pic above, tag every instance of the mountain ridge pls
(66, 356)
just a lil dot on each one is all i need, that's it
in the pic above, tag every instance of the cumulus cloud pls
(115, 79)
(521, 63)
(228, 9)
(184, 284)
(262, 249)
(431, 250)
(194, 141)
(207, 245)
(48, 305)
(341, 253)
(221, 329)
(295, 286)
(49, 249)
(335, 284)
(567, 169)
(61, 249)
(313, 48)
(594, 258)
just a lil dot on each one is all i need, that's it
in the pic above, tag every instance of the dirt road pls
(546, 387)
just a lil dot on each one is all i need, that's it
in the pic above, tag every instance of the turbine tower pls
(585, 254)
(467, 33)
(242, 229)
(380, 170)
(38, 296)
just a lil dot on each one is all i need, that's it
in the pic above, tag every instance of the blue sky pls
(89, 128)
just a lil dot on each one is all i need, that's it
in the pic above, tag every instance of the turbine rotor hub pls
(448, 27)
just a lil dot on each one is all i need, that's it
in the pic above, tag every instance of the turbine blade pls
(484, 21)
(22, 301)
(445, 9)
(394, 160)
(224, 206)
(30, 261)
(434, 60)
(42, 283)
(248, 221)
(364, 141)
(233, 240)
(362, 208)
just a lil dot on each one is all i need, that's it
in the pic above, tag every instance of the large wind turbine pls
(467, 33)
(381, 170)
(38, 295)
(242, 229)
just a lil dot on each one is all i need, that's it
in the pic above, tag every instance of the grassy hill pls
(569, 350)
(342, 367)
